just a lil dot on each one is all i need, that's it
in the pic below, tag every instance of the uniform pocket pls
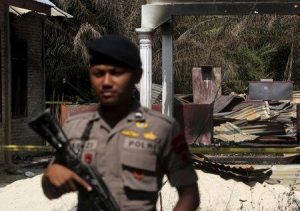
(138, 171)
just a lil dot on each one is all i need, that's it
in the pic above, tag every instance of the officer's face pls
(113, 84)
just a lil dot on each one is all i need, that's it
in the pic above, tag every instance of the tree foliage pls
(246, 47)
(66, 53)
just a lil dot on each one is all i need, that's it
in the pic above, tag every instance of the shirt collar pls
(136, 114)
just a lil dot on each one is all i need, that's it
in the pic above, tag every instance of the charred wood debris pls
(267, 116)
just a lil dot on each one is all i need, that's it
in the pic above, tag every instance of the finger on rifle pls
(82, 182)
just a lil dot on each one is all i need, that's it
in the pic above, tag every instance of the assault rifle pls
(48, 128)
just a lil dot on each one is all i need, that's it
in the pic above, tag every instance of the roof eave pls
(30, 5)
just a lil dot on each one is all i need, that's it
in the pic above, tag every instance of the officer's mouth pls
(107, 94)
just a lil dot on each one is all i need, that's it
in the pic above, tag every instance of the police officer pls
(131, 147)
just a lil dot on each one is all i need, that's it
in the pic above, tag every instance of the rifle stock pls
(49, 129)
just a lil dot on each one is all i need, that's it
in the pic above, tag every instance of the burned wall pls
(28, 83)
(2, 67)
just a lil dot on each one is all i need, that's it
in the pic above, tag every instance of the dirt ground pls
(216, 194)
(22, 181)
(22, 170)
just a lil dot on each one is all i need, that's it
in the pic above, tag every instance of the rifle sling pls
(87, 131)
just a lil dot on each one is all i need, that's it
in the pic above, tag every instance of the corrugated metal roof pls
(249, 113)
(261, 128)
(18, 11)
(222, 101)
(247, 103)
(47, 2)
(230, 132)
(296, 97)
(156, 92)
(260, 120)
(55, 11)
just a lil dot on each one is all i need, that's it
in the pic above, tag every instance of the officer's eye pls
(117, 72)
(98, 73)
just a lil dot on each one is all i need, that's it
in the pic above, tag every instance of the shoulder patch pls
(179, 146)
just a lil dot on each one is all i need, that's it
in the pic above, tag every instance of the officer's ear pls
(138, 75)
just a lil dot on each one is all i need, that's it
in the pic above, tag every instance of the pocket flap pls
(139, 160)
(144, 183)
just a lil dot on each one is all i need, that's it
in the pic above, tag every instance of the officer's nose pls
(107, 80)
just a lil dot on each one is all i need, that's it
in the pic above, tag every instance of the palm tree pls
(66, 55)
(246, 47)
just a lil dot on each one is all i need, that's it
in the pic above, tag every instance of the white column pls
(167, 69)
(145, 36)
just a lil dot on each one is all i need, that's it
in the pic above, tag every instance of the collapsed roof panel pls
(270, 90)
(47, 2)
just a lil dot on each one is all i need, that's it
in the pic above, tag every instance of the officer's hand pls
(64, 179)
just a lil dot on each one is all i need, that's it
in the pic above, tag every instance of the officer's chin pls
(115, 101)
(109, 102)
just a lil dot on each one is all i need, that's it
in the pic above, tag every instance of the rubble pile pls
(260, 121)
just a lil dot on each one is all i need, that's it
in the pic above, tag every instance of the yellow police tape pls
(239, 150)
(200, 150)
(26, 148)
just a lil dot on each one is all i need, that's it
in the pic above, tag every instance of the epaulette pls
(164, 117)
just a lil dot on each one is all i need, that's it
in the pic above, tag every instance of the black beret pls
(116, 50)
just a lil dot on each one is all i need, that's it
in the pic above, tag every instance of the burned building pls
(22, 75)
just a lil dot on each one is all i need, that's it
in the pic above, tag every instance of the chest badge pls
(142, 125)
(88, 158)
(138, 175)
(130, 133)
(150, 136)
